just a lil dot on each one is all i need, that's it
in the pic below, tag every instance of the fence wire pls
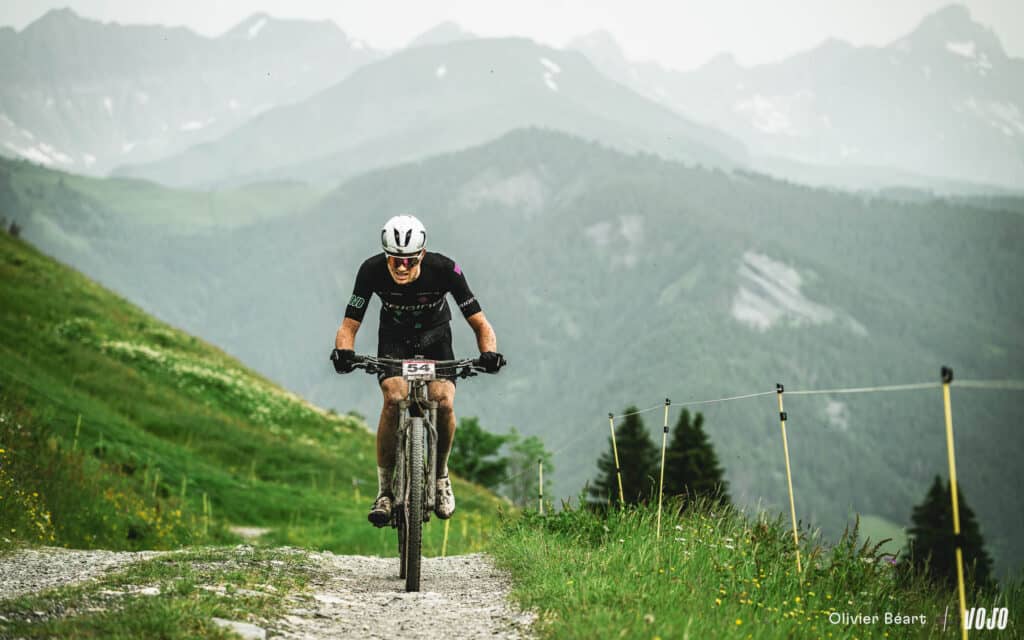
(999, 385)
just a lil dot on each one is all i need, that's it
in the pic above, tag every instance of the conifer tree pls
(638, 460)
(932, 543)
(691, 465)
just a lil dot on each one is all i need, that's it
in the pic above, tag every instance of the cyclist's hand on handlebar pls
(492, 362)
(344, 360)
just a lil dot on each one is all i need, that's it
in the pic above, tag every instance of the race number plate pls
(418, 370)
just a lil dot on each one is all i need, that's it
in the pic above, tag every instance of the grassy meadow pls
(717, 573)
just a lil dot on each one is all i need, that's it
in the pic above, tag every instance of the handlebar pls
(464, 368)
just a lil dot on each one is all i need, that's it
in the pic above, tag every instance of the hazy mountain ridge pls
(945, 101)
(86, 96)
(615, 279)
(439, 98)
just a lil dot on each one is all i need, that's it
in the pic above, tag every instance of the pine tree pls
(931, 543)
(691, 466)
(638, 460)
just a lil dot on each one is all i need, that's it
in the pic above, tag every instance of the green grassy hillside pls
(118, 431)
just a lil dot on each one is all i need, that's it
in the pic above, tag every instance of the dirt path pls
(347, 596)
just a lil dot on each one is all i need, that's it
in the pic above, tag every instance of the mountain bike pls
(416, 454)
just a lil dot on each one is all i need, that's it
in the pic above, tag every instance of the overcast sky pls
(678, 33)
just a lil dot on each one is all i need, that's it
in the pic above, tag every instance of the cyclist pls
(411, 283)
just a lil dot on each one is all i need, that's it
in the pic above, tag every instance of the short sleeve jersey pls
(417, 306)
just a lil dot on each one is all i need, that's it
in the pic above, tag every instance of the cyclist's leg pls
(443, 392)
(394, 389)
(380, 512)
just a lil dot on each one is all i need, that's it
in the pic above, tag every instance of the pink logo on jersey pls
(458, 269)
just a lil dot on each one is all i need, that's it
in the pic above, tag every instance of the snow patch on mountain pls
(108, 104)
(127, 147)
(255, 29)
(142, 97)
(551, 70)
(770, 294)
(441, 71)
(966, 49)
(550, 66)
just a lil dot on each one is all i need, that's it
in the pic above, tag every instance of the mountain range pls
(86, 96)
(944, 103)
(435, 98)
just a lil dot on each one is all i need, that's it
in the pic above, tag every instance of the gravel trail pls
(363, 597)
(27, 571)
(347, 596)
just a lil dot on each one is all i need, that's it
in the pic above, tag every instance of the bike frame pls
(416, 445)
(419, 398)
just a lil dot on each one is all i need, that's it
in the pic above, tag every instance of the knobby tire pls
(413, 511)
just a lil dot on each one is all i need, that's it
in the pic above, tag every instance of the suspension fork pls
(432, 454)
(420, 395)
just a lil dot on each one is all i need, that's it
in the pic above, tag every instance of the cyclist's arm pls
(485, 338)
(356, 309)
(346, 338)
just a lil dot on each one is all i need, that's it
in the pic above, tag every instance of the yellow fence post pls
(540, 486)
(444, 543)
(789, 478)
(615, 453)
(661, 483)
(947, 378)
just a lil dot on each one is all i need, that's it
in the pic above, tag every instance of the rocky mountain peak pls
(953, 30)
(442, 33)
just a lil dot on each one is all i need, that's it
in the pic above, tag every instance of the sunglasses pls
(405, 261)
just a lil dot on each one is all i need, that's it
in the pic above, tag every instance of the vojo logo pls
(979, 618)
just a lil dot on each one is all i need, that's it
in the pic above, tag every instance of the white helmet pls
(403, 236)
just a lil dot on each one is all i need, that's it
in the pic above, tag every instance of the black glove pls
(344, 360)
(491, 361)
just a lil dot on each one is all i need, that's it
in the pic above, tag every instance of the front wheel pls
(413, 508)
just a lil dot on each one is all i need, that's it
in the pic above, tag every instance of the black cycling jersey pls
(417, 306)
